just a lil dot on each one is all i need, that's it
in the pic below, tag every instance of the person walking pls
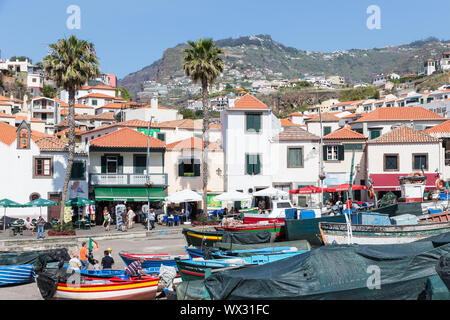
(130, 217)
(152, 218)
(40, 227)
(106, 219)
(124, 216)
(84, 256)
(107, 261)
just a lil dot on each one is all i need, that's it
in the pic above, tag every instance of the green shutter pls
(324, 153)
(196, 169)
(253, 122)
(326, 130)
(375, 134)
(181, 169)
(103, 161)
(340, 153)
(120, 164)
(257, 122)
(257, 165)
(248, 166)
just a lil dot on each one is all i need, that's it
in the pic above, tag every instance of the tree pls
(125, 93)
(71, 63)
(48, 91)
(203, 64)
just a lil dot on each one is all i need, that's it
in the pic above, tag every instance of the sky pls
(129, 35)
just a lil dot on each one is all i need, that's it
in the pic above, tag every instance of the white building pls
(159, 113)
(46, 109)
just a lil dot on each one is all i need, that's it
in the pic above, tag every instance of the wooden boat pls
(151, 260)
(16, 274)
(277, 228)
(198, 238)
(197, 269)
(219, 254)
(308, 229)
(436, 217)
(144, 288)
(337, 233)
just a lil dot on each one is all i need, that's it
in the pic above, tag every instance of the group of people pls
(125, 220)
(40, 224)
(81, 262)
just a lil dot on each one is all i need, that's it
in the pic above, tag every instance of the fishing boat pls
(207, 238)
(274, 227)
(277, 213)
(219, 254)
(339, 233)
(16, 274)
(151, 260)
(330, 273)
(197, 269)
(308, 229)
(51, 287)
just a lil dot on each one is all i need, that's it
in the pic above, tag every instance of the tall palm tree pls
(203, 64)
(71, 63)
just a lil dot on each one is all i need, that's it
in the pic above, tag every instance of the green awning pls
(129, 194)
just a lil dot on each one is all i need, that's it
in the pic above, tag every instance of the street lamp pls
(147, 181)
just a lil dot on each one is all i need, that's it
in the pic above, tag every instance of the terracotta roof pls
(65, 112)
(400, 113)
(96, 95)
(159, 107)
(249, 102)
(344, 133)
(100, 87)
(21, 118)
(443, 127)
(108, 116)
(126, 138)
(295, 114)
(5, 115)
(405, 134)
(287, 122)
(191, 143)
(8, 134)
(77, 132)
(295, 133)
(326, 117)
(115, 105)
(50, 144)
(61, 103)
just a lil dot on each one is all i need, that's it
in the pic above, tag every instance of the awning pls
(390, 182)
(129, 194)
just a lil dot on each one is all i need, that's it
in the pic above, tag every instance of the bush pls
(65, 227)
(61, 233)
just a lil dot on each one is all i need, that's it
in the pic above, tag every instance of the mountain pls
(268, 57)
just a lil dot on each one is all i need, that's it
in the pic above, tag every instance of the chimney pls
(154, 102)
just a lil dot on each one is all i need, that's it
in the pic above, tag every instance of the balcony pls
(103, 179)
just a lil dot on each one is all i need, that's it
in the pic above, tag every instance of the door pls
(53, 212)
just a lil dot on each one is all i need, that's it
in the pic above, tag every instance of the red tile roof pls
(51, 144)
(295, 133)
(66, 131)
(295, 114)
(405, 134)
(443, 127)
(344, 133)
(99, 87)
(287, 122)
(191, 143)
(62, 103)
(126, 138)
(8, 134)
(326, 117)
(5, 115)
(249, 102)
(400, 113)
(97, 95)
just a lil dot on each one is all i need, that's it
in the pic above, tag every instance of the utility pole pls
(321, 176)
(148, 183)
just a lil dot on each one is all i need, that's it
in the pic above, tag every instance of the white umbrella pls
(233, 196)
(184, 196)
(271, 192)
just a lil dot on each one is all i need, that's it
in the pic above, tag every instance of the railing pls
(156, 179)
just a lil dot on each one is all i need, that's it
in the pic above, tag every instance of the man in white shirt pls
(75, 263)
(29, 225)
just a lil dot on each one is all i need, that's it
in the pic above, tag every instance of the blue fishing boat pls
(198, 269)
(219, 254)
(16, 274)
(151, 260)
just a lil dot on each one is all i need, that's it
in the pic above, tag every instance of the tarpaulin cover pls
(393, 210)
(443, 269)
(47, 282)
(335, 272)
(203, 238)
(38, 258)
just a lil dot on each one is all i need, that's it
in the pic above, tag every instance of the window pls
(326, 130)
(42, 167)
(161, 136)
(252, 164)
(44, 116)
(111, 164)
(391, 162)
(94, 102)
(140, 163)
(282, 205)
(375, 134)
(420, 161)
(295, 157)
(189, 167)
(78, 171)
(253, 122)
(333, 153)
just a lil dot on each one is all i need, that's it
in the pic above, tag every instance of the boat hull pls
(277, 228)
(140, 290)
(198, 238)
(336, 233)
(150, 261)
(250, 218)
(14, 275)
(308, 229)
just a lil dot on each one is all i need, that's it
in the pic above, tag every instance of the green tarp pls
(129, 194)
(38, 258)
(374, 272)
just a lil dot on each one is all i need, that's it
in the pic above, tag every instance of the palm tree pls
(71, 63)
(203, 64)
